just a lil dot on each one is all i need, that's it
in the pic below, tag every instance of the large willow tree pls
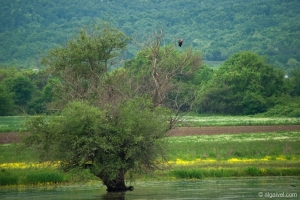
(100, 126)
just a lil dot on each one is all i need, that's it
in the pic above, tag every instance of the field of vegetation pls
(254, 154)
(189, 157)
(12, 124)
(17, 123)
(198, 121)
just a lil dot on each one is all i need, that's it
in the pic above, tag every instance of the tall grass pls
(233, 172)
(32, 176)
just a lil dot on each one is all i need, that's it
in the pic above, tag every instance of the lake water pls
(216, 188)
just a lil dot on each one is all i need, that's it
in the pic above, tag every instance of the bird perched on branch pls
(180, 42)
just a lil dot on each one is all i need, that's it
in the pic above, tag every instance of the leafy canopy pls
(83, 133)
(82, 67)
(244, 84)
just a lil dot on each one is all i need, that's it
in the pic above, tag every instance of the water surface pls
(216, 188)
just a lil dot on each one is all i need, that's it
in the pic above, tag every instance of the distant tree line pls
(244, 84)
(24, 91)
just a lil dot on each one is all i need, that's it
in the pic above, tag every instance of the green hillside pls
(218, 28)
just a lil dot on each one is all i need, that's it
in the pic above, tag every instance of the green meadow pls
(251, 154)
(12, 124)
(188, 157)
(17, 123)
(198, 121)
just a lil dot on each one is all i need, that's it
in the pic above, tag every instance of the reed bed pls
(32, 176)
(233, 172)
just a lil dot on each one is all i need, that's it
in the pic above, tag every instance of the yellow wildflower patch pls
(280, 158)
(23, 165)
(267, 158)
(191, 162)
(182, 162)
(231, 160)
(241, 160)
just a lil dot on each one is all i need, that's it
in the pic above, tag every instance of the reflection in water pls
(217, 188)
(113, 196)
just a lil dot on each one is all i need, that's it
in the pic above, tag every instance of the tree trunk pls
(117, 184)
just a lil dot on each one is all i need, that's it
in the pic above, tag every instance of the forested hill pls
(217, 28)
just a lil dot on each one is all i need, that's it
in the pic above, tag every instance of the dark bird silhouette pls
(180, 42)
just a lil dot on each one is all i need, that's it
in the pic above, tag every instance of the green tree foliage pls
(244, 84)
(9, 72)
(6, 101)
(202, 75)
(287, 106)
(26, 87)
(82, 66)
(23, 89)
(84, 136)
(295, 81)
(41, 103)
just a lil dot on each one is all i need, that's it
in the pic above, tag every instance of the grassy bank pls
(236, 167)
(42, 176)
(32, 176)
(233, 172)
(23, 168)
(190, 157)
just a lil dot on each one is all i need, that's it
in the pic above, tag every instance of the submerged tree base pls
(119, 189)
(117, 184)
